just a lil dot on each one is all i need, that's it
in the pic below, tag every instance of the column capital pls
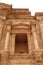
(8, 27)
(33, 28)
(41, 25)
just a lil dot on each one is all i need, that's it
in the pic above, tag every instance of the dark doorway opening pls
(21, 43)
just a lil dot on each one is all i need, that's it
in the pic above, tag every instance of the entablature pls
(16, 31)
(23, 21)
(20, 23)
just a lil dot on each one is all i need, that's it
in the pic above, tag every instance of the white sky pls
(32, 5)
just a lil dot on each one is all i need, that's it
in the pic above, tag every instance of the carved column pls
(38, 35)
(41, 29)
(37, 50)
(7, 37)
(29, 43)
(4, 54)
(12, 44)
(35, 38)
(1, 29)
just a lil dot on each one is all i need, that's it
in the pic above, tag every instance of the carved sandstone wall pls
(20, 23)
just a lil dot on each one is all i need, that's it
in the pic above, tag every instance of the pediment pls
(21, 26)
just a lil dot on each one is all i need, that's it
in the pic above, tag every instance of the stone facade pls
(21, 36)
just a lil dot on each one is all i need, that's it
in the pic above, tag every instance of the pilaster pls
(1, 28)
(41, 29)
(29, 38)
(36, 45)
(12, 44)
(7, 37)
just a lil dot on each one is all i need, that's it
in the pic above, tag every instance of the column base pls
(38, 54)
(4, 58)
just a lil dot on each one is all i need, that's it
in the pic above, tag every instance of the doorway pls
(21, 43)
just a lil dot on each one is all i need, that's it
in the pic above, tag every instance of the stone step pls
(22, 62)
(20, 56)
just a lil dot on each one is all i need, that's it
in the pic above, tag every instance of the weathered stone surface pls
(21, 36)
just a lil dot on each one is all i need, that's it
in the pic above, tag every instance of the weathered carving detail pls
(21, 35)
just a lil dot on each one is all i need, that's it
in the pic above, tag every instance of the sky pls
(32, 5)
